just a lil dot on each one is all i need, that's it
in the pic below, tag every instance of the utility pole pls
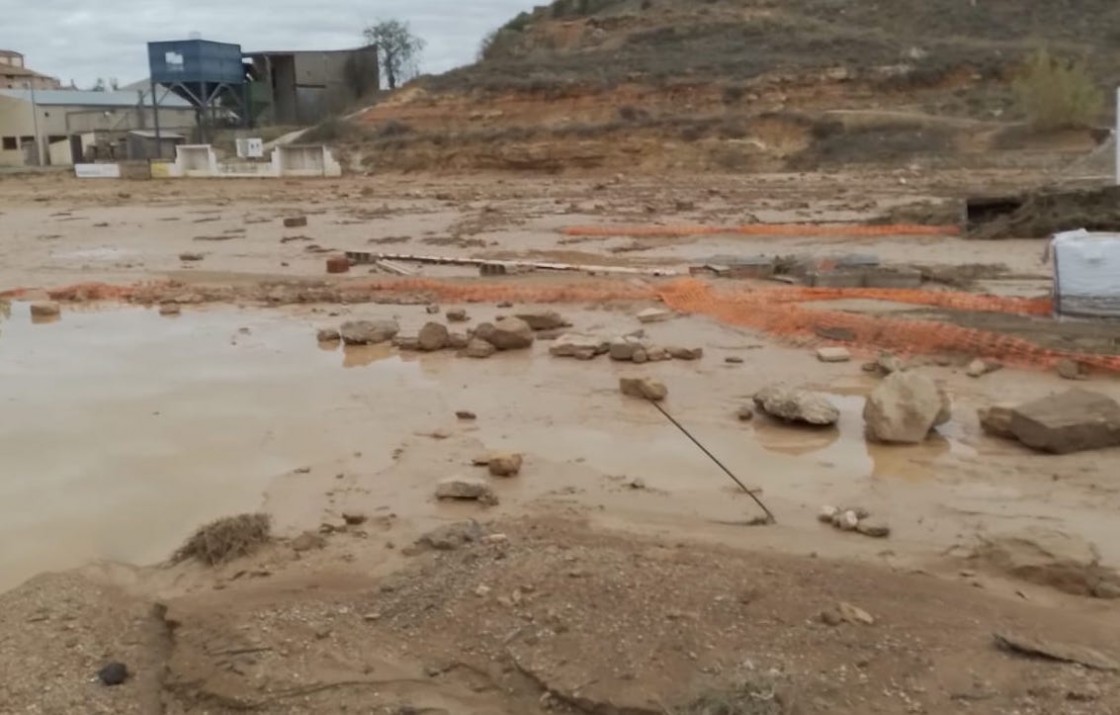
(35, 123)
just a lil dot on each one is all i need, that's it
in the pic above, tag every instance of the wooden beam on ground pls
(369, 257)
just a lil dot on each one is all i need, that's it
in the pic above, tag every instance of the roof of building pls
(10, 53)
(262, 53)
(89, 98)
(16, 71)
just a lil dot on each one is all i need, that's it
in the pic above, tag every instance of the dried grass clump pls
(226, 539)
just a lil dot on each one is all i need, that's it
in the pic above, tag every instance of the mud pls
(1044, 213)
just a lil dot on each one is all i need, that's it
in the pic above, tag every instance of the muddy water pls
(121, 431)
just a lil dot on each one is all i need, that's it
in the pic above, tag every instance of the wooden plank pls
(368, 257)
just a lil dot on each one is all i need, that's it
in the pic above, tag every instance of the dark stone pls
(114, 673)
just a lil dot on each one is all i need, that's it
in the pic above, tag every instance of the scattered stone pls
(580, 347)
(654, 315)
(746, 414)
(505, 304)
(1053, 650)
(1071, 370)
(544, 320)
(886, 364)
(295, 222)
(643, 388)
(433, 337)
(457, 341)
(875, 528)
(458, 315)
(506, 334)
(329, 335)
(114, 673)
(679, 353)
(846, 521)
(980, 368)
(453, 536)
(1050, 558)
(640, 357)
(479, 349)
(905, 408)
(854, 519)
(658, 355)
(433, 309)
(355, 519)
(368, 332)
(466, 415)
(637, 484)
(623, 349)
(338, 264)
(466, 490)
(827, 514)
(834, 355)
(168, 309)
(843, 613)
(190, 257)
(996, 420)
(505, 465)
(734, 360)
(797, 406)
(308, 541)
(407, 343)
(1074, 421)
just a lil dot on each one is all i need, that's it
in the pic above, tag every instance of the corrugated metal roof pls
(87, 98)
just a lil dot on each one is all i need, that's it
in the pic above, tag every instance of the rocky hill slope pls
(739, 85)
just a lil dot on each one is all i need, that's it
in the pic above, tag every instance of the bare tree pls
(397, 48)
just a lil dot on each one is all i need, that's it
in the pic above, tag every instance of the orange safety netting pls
(806, 230)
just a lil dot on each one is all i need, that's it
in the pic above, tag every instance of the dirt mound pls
(1042, 214)
(226, 539)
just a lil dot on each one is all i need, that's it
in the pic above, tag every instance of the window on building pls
(10, 144)
(27, 140)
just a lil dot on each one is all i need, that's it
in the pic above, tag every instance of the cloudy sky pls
(86, 39)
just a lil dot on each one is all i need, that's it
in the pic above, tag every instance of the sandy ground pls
(122, 430)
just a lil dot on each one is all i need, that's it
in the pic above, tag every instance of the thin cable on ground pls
(769, 514)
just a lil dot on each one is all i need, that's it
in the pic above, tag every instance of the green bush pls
(1057, 94)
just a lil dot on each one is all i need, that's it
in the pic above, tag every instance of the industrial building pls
(15, 74)
(305, 87)
(65, 127)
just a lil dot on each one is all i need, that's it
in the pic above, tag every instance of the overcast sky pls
(86, 39)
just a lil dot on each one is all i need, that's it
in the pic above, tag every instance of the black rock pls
(113, 674)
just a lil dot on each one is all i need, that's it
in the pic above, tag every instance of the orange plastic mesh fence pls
(767, 229)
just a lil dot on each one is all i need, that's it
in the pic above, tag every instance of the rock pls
(457, 341)
(544, 320)
(169, 309)
(746, 414)
(453, 536)
(466, 415)
(308, 541)
(368, 332)
(506, 334)
(654, 315)
(886, 364)
(580, 347)
(905, 408)
(846, 520)
(1056, 559)
(658, 355)
(623, 349)
(329, 335)
(996, 420)
(295, 222)
(479, 349)
(505, 465)
(189, 257)
(433, 309)
(45, 309)
(457, 316)
(834, 355)
(466, 490)
(640, 357)
(338, 264)
(643, 388)
(797, 406)
(505, 304)
(1071, 370)
(407, 343)
(828, 514)
(355, 519)
(114, 673)
(846, 613)
(980, 368)
(1074, 421)
(433, 337)
(875, 528)
(678, 353)
(734, 360)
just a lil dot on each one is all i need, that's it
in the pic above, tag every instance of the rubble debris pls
(580, 347)
(643, 388)
(115, 673)
(354, 519)
(460, 489)
(506, 334)
(433, 309)
(433, 337)
(1071, 370)
(1046, 557)
(368, 332)
(843, 613)
(746, 413)
(479, 349)
(885, 364)
(1054, 650)
(226, 539)
(329, 335)
(45, 309)
(505, 465)
(979, 367)
(905, 408)
(492, 267)
(453, 536)
(654, 315)
(338, 264)
(191, 257)
(1073, 421)
(640, 357)
(835, 354)
(797, 406)
(457, 341)
(996, 420)
(679, 353)
(544, 320)
(170, 309)
(854, 519)
(407, 343)
(466, 415)
(295, 222)
(457, 315)
(623, 349)
(734, 360)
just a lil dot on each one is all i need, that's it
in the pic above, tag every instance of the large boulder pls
(797, 406)
(1063, 561)
(544, 320)
(506, 334)
(368, 332)
(905, 408)
(1072, 421)
(433, 337)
